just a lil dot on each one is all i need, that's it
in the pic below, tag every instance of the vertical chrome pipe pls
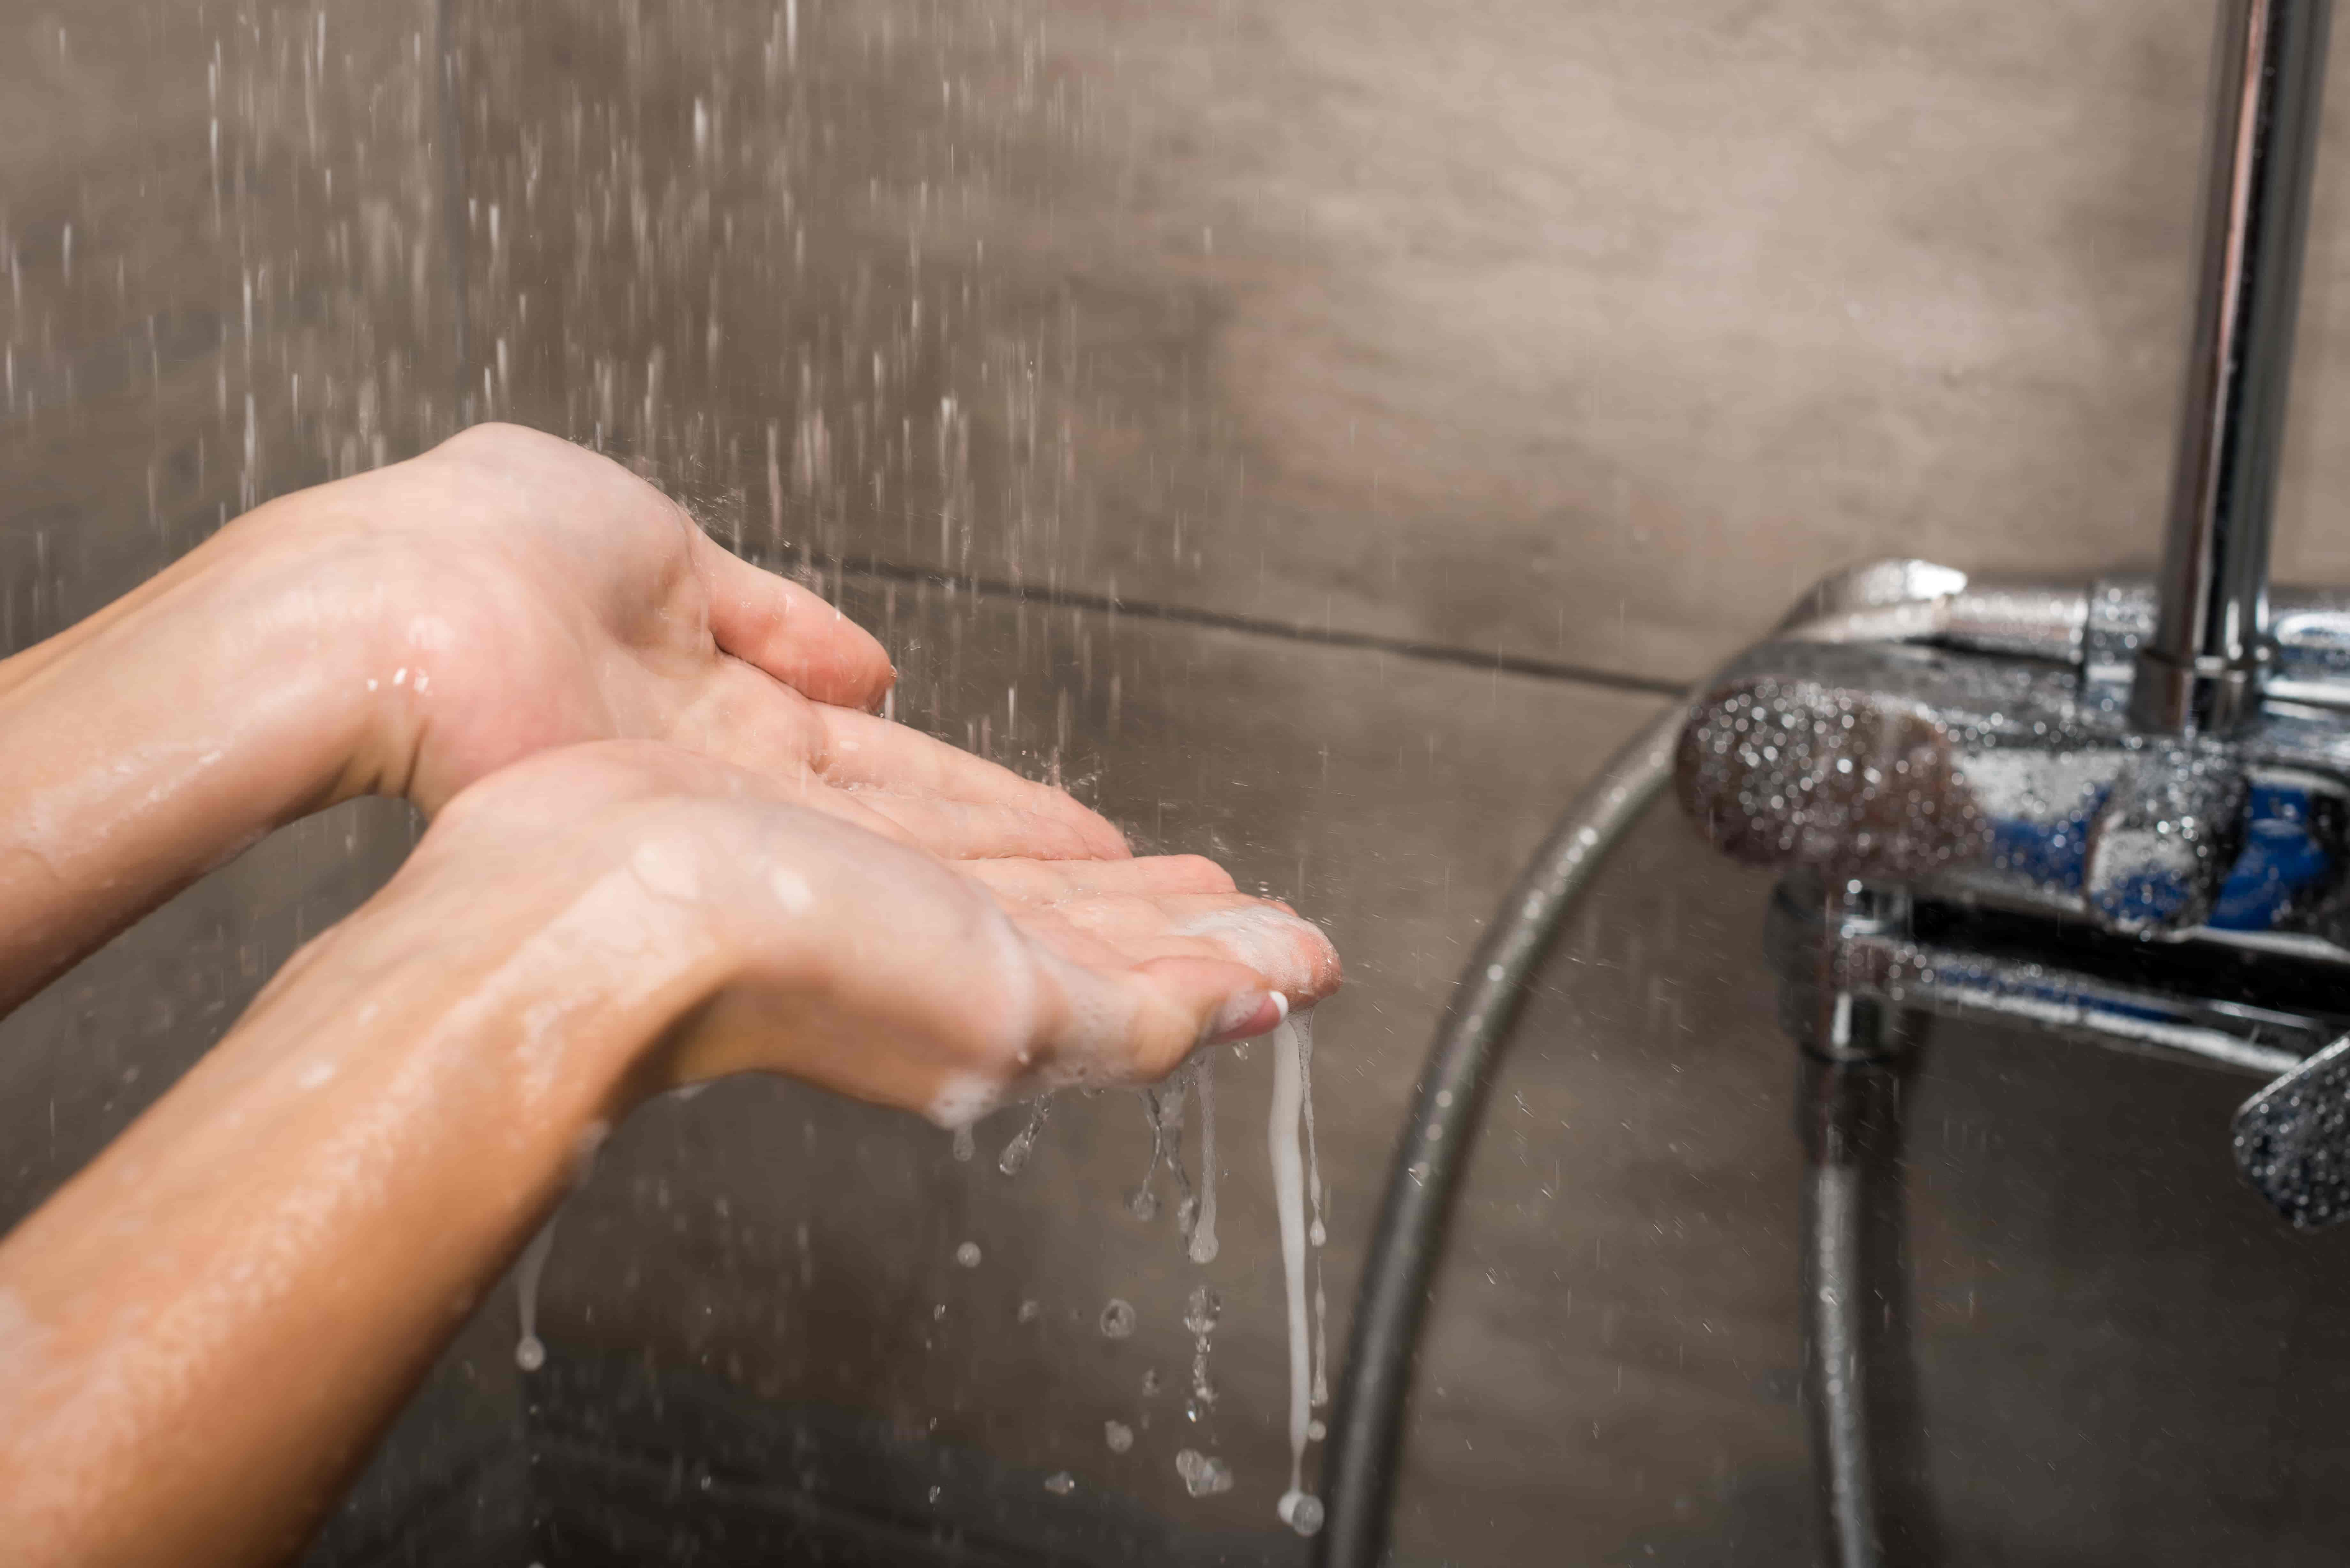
(2202, 671)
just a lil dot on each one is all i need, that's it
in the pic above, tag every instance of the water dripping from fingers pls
(1024, 1143)
(1202, 1230)
(530, 1351)
(1300, 1510)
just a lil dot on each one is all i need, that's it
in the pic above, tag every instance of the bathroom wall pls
(227, 277)
(1318, 433)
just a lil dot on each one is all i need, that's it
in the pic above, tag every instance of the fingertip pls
(839, 661)
(1245, 1014)
(1215, 1002)
(866, 674)
(1104, 839)
(878, 703)
(1327, 972)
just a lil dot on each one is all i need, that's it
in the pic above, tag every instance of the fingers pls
(1146, 978)
(863, 750)
(1043, 883)
(1134, 917)
(945, 801)
(792, 634)
(1288, 954)
(749, 718)
(1138, 1024)
(956, 830)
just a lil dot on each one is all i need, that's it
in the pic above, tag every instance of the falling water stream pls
(1290, 1042)
(1296, 1172)
(1202, 1223)
(530, 1351)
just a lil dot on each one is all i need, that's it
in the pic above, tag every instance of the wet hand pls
(825, 944)
(318, 1203)
(414, 629)
(514, 592)
(542, 596)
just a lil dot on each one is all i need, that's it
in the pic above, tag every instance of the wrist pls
(176, 727)
(333, 609)
(559, 974)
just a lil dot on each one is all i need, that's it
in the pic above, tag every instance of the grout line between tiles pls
(1324, 637)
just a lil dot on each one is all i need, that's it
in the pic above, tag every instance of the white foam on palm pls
(1264, 939)
(962, 1100)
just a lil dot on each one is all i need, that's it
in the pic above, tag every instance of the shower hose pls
(1392, 1299)
(1893, 601)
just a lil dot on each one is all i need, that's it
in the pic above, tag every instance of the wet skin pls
(668, 844)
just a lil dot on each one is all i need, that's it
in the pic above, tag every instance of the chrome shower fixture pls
(2118, 811)
(2121, 809)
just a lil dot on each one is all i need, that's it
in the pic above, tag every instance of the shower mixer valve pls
(1977, 827)
(2119, 810)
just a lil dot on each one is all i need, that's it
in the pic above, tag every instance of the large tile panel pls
(227, 276)
(1590, 332)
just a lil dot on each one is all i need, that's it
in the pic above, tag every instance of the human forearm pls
(407, 630)
(200, 1334)
(156, 740)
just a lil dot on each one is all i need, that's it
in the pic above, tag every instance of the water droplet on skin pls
(968, 1254)
(1060, 1484)
(1118, 1319)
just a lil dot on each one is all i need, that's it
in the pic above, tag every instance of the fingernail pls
(1247, 1015)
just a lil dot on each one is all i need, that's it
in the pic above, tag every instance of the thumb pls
(794, 634)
